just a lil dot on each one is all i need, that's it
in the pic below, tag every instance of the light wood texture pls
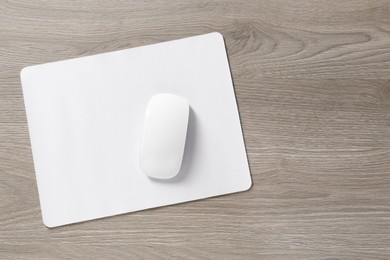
(312, 80)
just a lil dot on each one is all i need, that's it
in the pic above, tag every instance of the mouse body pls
(164, 136)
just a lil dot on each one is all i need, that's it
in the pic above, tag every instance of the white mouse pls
(164, 136)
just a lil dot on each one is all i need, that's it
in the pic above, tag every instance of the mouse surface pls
(164, 136)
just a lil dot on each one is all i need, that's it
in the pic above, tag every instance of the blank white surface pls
(86, 116)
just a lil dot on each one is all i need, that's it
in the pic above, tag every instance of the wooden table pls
(312, 79)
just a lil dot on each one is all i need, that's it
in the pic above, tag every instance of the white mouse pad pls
(86, 118)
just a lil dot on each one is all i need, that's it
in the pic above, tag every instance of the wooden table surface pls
(312, 80)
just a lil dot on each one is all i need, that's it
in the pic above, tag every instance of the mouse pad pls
(86, 116)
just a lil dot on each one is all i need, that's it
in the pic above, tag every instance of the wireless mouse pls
(164, 136)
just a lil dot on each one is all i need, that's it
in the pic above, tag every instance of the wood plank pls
(313, 89)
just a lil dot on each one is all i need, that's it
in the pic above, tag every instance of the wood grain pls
(312, 80)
